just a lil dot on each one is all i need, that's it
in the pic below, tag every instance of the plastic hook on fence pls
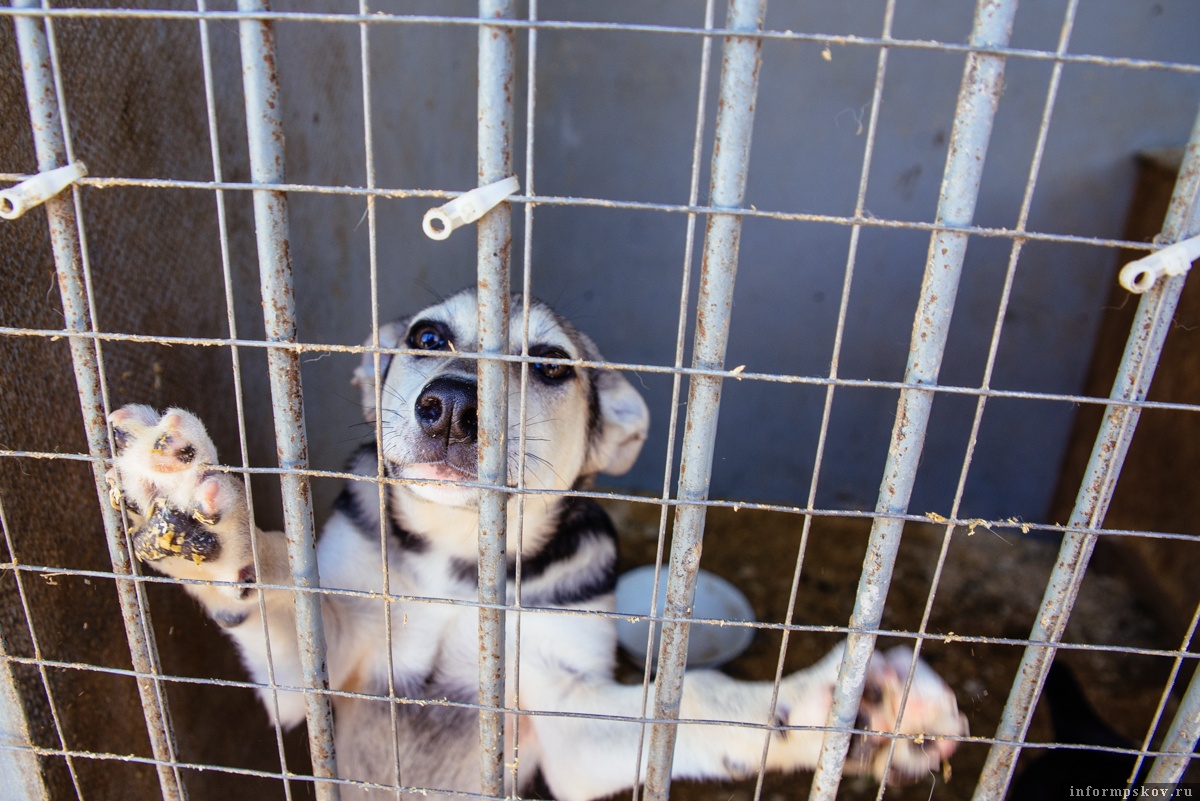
(440, 222)
(1139, 276)
(16, 200)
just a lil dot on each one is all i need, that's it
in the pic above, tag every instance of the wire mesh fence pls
(186, 221)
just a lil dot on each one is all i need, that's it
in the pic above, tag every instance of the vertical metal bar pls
(706, 48)
(20, 761)
(50, 148)
(889, 15)
(741, 61)
(1180, 721)
(496, 45)
(364, 33)
(1001, 313)
(977, 101)
(1179, 746)
(1153, 320)
(214, 142)
(523, 395)
(264, 128)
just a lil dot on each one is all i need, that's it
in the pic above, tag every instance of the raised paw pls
(164, 456)
(930, 714)
(180, 506)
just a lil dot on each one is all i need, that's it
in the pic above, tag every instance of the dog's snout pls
(446, 410)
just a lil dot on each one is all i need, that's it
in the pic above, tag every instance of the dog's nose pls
(446, 410)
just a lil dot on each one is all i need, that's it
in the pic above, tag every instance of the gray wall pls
(615, 117)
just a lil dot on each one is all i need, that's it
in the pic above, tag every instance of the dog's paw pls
(188, 518)
(930, 715)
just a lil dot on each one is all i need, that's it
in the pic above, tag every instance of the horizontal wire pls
(736, 373)
(250, 772)
(866, 221)
(380, 18)
(970, 523)
(444, 702)
(50, 573)
(264, 774)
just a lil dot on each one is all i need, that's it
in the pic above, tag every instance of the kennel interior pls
(860, 257)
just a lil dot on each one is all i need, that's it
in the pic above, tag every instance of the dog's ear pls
(618, 436)
(624, 422)
(390, 336)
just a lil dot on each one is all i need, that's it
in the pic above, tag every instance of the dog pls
(190, 521)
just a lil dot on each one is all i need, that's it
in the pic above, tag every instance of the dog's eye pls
(426, 336)
(552, 372)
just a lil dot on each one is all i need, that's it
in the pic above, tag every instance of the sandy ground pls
(991, 586)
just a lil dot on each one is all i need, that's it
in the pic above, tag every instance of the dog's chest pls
(435, 632)
(431, 613)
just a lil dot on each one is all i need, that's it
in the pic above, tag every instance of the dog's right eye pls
(426, 336)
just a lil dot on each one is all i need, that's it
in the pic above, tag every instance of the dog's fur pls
(190, 521)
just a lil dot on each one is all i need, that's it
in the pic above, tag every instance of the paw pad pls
(173, 453)
(172, 532)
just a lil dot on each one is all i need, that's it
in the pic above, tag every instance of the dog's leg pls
(190, 521)
(586, 758)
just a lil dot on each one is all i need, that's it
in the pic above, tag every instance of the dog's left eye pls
(552, 372)
(426, 336)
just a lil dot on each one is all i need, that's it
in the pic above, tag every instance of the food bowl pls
(709, 644)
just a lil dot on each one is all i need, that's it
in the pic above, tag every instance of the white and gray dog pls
(190, 521)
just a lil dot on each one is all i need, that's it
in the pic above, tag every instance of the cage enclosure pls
(860, 258)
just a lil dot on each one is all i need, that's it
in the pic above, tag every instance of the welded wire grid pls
(739, 40)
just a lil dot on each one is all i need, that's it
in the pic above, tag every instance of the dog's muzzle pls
(446, 410)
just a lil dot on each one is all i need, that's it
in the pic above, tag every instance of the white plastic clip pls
(1138, 276)
(16, 200)
(467, 208)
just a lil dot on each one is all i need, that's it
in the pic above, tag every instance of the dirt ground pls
(991, 586)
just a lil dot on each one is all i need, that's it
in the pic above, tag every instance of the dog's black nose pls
(446, 410)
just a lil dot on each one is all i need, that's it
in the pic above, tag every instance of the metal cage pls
(79, 71)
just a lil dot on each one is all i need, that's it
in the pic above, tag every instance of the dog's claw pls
(114, 489)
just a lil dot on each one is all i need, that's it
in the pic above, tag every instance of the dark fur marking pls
(581, 522)
(872, 693)
(601, 581)
(594, 418)
(245, 576)
(734, 769)
(359, 502)
(131, 505)
(782, 713)
(861, 747)
(464, 571)
(581, 518)
(228, 619)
